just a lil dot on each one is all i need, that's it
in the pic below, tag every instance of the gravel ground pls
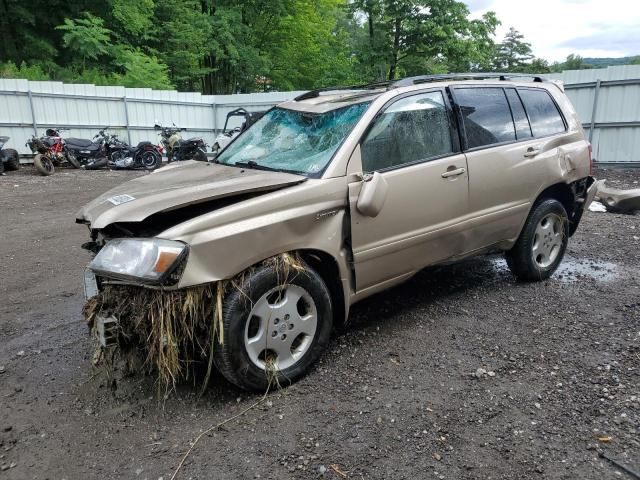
(461, 373)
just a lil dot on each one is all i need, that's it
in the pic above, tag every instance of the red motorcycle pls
(50, 152)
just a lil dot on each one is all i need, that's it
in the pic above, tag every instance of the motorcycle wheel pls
(73, 161)
(43, 164)
(150, 160)
(200, 156)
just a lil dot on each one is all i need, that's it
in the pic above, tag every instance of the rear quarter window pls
(543, 114)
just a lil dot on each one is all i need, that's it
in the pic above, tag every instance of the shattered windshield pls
(292, 141)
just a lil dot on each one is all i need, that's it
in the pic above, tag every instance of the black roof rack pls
(316, 93)
(406, 82)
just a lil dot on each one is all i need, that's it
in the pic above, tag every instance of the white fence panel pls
(27, 107)
(613, 94)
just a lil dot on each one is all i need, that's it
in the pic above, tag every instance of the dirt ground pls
(398, 396)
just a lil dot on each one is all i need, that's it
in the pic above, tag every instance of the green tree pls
(86, 36)
(423, 36)
(310, 48)
(135, 17)
(181, 39)
(513, 54)
(140, 69)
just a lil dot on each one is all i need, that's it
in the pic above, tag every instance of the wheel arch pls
(566, 194)
(327, 267)
(559, 191)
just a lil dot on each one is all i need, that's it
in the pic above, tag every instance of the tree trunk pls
(396, 49)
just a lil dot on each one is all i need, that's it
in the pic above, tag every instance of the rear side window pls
(411, 129)
(486, 116)
(543, 114)
(523, 129)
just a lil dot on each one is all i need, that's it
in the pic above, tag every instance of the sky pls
(556, 28)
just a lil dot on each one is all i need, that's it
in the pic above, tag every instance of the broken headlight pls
(143, 259)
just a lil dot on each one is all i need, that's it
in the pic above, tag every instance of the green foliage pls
(87, 36)
(140, 69)
(28, 72)
(228, 46)
(135, 17)
(309, 49)
(182, 36)
(513, 54)
(573, 62)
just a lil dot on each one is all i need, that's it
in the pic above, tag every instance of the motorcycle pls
(84, 152)
(50, 152)
(9, 159)
(121, 155)
(179, 149)
(225, 138)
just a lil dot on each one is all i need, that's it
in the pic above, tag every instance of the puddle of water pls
(572, 270)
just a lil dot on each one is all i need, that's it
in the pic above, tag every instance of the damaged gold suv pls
(246, 263)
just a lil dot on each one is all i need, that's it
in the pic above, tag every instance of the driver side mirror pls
(372, 195)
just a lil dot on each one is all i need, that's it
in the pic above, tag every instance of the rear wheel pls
(273, 327)
(542, 242)
(43, 164)
(151, 160)
(200, 156)
(13, 160)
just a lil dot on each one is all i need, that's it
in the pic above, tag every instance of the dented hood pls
(177, 186)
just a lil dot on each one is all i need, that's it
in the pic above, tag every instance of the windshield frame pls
(319, 173)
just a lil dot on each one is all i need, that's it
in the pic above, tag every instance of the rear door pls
(414, 145)
(507, 160)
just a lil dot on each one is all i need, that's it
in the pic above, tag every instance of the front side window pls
(543, 113)
(292, 141)
(486, 116)
(412, 129)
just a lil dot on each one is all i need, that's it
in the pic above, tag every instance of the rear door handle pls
(531, 152)
(453, 172)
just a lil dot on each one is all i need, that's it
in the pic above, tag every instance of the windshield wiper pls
(254, 165)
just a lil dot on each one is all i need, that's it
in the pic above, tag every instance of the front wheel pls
(273, 327)
(542, 242)
(43, 164)
(200, 155)
(73, 161)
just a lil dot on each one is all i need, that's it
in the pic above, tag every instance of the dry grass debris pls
(170, 329)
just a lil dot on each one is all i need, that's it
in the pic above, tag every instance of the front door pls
(413, 145)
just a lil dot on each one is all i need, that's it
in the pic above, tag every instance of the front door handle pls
(453, 172)
(531, 152)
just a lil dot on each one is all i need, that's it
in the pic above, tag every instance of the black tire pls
(72, 160)
(12, 161)
(521, 258)
(232, 358)
(43, 164)
(150, 159)
(200, 156)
